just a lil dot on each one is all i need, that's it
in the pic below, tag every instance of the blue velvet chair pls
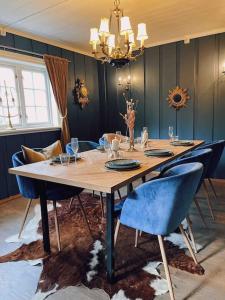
(217, 151)
(159, 206)
(200, 155)
(83, 146)
(28, 188)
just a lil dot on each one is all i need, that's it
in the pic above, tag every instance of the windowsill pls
(27, 130)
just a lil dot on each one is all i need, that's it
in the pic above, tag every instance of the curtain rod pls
(23, 51)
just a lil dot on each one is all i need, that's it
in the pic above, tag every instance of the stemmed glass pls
(118, 136)
(107, 146)
(170, 132)
(75, 146)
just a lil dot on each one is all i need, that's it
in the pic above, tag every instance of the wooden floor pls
(18, 280)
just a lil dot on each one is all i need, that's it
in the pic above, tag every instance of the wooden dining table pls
(90, 173)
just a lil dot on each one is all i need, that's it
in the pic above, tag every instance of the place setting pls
(174, 139)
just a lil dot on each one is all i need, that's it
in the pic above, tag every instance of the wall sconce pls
(124, 83)
(223, 70)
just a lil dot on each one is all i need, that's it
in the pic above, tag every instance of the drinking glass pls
(118, 136)
(64, 159)
(170, 132)
(75, 146)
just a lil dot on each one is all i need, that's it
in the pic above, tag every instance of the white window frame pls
(18, 63)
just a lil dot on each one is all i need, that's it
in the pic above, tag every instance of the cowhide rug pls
(82, 259)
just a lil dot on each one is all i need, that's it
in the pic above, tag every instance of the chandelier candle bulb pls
(94, 39)
(104, 27)
(125, 26)
(142, 33)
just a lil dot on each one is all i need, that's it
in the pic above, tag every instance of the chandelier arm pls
(102, 59)
(103, 46)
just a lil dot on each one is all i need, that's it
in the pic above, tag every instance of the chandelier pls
(117, 48)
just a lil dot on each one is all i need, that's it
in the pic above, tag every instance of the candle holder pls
(8, 106)
(129, 119)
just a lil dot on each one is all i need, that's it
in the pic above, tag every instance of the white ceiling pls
(67, 22)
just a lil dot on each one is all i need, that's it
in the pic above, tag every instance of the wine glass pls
(107, 146)
(75, 146)
(118, 136)
(170, 132)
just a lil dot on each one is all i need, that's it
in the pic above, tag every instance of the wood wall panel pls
(167, 81)
(204, 101)
(7, 40)
(185, 79)
(3, 169)
(219, 101)
(21, 42)
(137, 92)
(152, 91)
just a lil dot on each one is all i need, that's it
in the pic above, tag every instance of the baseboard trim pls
(5, 200)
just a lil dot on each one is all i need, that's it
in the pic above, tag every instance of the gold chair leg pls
(165, 263)
(213, 188)
(84, 214)
(25, 217)
(102, 205)
(187, 242)
(57, 226)
(118, 191)
(200, 212)
(71, 203)
(191, 233)
(116, 231)
(136, 238)
(208, 200)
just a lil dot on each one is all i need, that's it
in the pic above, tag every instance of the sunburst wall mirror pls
(178, 98)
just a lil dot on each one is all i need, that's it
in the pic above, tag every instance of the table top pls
(90, 172)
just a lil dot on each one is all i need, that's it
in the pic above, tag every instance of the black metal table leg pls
(44, 216)
(110, 258)
(129, 188)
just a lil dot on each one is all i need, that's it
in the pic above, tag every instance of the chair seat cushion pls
(59, 192)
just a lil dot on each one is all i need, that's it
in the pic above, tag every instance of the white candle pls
(115, 145)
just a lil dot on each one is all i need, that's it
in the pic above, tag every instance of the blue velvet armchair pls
(203, 156)
(217, 151)
(83, 146)
(55, 192)
(159, 206)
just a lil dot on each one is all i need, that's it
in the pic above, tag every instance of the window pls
(25, 94)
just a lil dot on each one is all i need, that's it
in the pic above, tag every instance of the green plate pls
(123, 162)
(158, 152)
(182, 143)
(122, 167)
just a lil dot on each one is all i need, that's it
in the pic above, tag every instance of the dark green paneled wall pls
(196, 66)
(85, 124)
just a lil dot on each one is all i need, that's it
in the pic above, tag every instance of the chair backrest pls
(217, 151)
(28, 187)
(83, 146)
(200, 155)
(159, 206)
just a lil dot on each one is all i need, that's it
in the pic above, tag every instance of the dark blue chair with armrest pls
(83, 146)
(55, 192)
(159, 206)
(217, 151)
